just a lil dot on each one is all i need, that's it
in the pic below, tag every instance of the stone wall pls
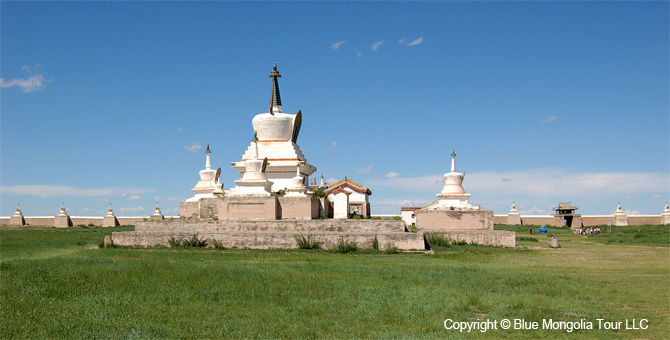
(430, 220)
(644, 219)
(48, 221)
(304, 226)
(274, 234)
(498, 238)
(548, 220)
(274, 240)
(589, 221)
(584, 220)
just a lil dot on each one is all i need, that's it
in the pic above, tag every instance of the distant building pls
(565, 212)
(408, 215)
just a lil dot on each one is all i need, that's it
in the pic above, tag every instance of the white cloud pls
(179, 129)
(358, 53)
(63, 190)
(549, 119)
(416, 41)
(172, 199)
(133, 197)
(332, 145)
(653, 197)
(331, 180)
(134, 210)
(401, 41)
(392, 174)
(34, 82)
(193, 148)
(631, 212)
(547, 182)
(376, 45)
(534, 211)
(157, 198)
(365, 171)
(338, 44)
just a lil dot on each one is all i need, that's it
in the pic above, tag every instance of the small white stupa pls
(665, 216)
(620, 217)
(513, 216)
(452, 196)
(17, 219)
(62, 220)
(298, 188)
(110, 220)
(209, 185)
(157, 215)
(254, 182)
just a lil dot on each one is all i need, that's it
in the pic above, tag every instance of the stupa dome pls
(274, 127)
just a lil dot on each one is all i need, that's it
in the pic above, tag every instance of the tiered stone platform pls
(274, 234)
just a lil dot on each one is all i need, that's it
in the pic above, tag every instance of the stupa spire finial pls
(453, 160)
(275, 97)
(208, 162)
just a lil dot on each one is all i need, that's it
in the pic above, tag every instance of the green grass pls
(55, 283)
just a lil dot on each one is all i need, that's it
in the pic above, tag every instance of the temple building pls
(276, 139)
(349, 198)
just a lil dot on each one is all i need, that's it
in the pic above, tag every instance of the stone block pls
(189, 209)
(514, 219)
(446, 220)
(110, 221)
(299, 208)
(620, 219)
(17, 220)
(209, 207)
(248, 208)
(62, 221)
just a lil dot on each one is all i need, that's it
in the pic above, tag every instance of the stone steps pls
(301, 226)
(274, 240)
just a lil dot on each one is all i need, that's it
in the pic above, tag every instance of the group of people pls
(587, 231)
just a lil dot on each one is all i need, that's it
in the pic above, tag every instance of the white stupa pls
(17, 218)
(277, 134)
(620, 218)
(110, 219)
(665, 216)
(452, 196)
(209, 185)
(298, 188)
(254, 182)
(157, 215)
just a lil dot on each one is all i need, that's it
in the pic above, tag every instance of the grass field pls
(56, 284)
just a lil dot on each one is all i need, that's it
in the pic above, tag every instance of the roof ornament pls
(453, 160)
(275, 97)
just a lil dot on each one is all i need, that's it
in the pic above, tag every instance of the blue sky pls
(543, 101)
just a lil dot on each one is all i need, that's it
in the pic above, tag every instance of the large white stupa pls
(277, 135)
